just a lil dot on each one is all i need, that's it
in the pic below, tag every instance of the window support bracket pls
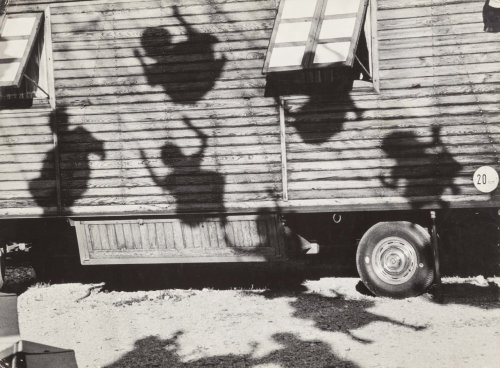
(36, 84)
(363, 66)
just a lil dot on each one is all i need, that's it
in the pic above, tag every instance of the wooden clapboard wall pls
(130, 145)
(27, 170)
(194, 135)
(417, 143)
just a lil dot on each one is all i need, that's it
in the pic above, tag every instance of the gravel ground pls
(321, 323)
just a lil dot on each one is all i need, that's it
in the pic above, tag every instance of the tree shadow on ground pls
(485, 296)
(337, 313)
(294, 353)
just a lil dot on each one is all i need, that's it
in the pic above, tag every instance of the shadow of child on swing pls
(491, 16)
(197, 50)
(186, 168)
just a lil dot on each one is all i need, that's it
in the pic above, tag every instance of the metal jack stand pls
(435, 253)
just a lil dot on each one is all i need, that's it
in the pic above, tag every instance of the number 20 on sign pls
(486, 179)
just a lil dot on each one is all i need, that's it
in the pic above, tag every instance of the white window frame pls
(45, 87)
(310, 45)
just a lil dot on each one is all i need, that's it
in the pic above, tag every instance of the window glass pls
(23, 65)
(8, 71)
(293, 32)
(18, 37)
(337, 28)
(298, 9)
(334, 7)
(18, 26)
(287, 56)
(12, 49)
(334, 24)
(331, 52)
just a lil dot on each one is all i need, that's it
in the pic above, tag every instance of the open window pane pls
(298, 9)
(337, 28)
(331, 52)
(19, 26)
(335, 7)
(12, 49)
(330, 28)
(287, 56)
(293, 32)
(8, 71)
(17, 39)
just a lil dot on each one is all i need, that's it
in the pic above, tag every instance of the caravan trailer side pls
(183, 131)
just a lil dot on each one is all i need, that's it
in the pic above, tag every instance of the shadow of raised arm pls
(189, 29)
(139, 56)
(203, 137)
(158, 182)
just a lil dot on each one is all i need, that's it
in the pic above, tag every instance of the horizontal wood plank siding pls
(144, 128)
(193, 132)
(27, 162)
(417, 143)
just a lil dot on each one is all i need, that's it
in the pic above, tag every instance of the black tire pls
(394, 259)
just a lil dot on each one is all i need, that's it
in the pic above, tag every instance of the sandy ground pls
(322, 323)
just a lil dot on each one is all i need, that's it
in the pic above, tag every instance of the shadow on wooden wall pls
(491, 18)
(156, 42)
(176, 184)
(421, 168)
(46, 195)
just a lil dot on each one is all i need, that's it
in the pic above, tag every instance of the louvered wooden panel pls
(253, 238)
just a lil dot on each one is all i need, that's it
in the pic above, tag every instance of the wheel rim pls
(394, 260)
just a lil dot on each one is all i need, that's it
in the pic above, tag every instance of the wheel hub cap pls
(394, 260)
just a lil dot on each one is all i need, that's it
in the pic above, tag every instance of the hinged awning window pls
(315, 33)
(17, 38)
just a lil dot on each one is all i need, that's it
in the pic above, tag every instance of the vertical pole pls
(284, 168)
(55, 143)
(374, 45)
(435, 253)
(47, 34)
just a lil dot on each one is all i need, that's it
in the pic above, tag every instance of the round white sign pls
(486, 179)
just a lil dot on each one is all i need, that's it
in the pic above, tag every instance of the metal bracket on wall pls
(36, 84)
